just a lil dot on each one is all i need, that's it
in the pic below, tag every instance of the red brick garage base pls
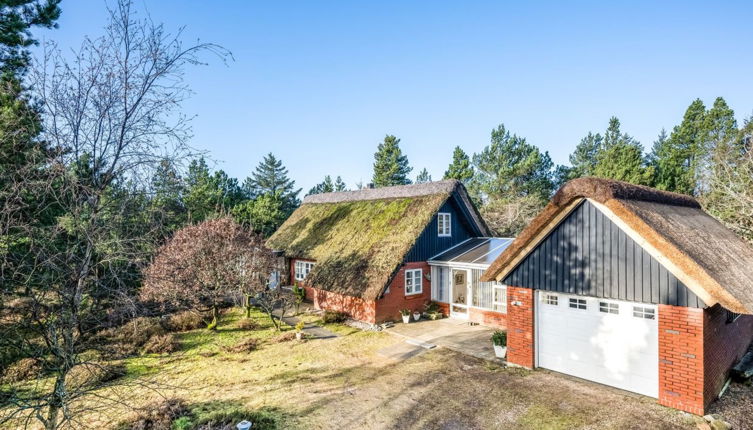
(697, 347)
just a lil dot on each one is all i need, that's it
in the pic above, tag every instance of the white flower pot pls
(416, 316)
(298, 335)
(406, 319)
(500, 351)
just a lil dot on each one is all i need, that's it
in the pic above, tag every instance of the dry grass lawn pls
(344, 383)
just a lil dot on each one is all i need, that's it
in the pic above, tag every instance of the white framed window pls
(551, 299)
(444, 224)
(302, 269)
(499, 298)
(413, 284)
(609, 308)
(578, 303)
(643, 312)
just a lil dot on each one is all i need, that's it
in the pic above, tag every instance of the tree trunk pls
(215, 318)
(56, 402)
(248, 305)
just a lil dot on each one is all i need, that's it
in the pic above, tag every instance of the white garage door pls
(611, 342)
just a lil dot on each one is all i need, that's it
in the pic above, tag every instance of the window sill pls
(414, 295)
(444, 235)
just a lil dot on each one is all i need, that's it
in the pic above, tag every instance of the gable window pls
(413, 282)
(645, 313)
(302, 269)
(444, 225)
(732, 316)
(609, 308)
(551, 299)
(578, 303)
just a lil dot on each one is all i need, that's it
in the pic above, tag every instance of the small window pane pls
(551, 299)
(578, 303)
(444, 224)
(643, 312)
(609, 308)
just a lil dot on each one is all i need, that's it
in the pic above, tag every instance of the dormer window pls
(444, 224)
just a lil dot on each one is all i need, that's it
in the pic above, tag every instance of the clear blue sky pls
(319, 84)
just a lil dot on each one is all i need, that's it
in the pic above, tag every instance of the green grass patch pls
(545, 418)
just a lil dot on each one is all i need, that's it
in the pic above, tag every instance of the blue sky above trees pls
(320, 83)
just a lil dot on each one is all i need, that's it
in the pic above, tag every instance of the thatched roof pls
(360, 238)
(706, 256)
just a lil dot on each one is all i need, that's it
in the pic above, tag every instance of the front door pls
(459, 294)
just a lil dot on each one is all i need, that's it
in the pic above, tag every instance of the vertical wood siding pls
(588, 254)
(430, 244)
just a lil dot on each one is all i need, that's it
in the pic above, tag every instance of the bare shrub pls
(93, 374)
(246, 345)
(22, 370)
(156, 416)
(161, 344)
(130, 337)
(284, 337)
(332, 317)
(247, 324)
(185, 321)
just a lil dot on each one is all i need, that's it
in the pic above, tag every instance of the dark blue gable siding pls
(587, 254)
(430, 244)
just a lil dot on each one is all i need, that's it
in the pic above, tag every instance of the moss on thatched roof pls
(359, 239)
(710, 259)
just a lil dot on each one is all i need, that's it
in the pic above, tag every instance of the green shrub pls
(22, 370)
(499, 338)
(161, 344)
(185, 321)
(332, 317)
(431, 307)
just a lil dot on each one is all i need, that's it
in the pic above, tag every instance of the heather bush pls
(185, 321)
(22, 370)
(161, 344)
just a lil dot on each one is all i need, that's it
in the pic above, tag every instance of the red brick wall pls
(681, 358)
(723, 345)
(356, 308)
(520, 327)
(388, 307)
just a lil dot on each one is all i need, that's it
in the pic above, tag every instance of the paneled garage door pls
(611, 342)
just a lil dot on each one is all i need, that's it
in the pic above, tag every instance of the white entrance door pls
(607, 341)
(459, 296)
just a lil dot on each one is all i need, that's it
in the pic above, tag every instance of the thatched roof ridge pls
(359, 239)
(397, 191)
(710, 259)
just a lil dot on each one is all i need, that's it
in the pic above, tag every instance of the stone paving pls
(458, 335)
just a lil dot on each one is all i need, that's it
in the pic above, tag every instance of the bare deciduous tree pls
(111, 113)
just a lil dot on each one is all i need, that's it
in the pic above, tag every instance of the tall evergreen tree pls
(326, 186)
(460, 168)
(202, 196)
(271, 178)
(390, 165)
(510, 167)
(340, 184)
(167, 197)
(583, 159)
(621, 157)
(677, 157)
(423, 176)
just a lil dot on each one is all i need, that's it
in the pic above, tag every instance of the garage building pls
(630, 287)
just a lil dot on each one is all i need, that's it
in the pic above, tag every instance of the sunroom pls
(456, 285)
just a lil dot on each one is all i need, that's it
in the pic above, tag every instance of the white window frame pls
(413, 289)
(644, 312)
(609, 308)
(302, 269)
(580, 304)
(444, 224)
(503, 293)
(551, 299)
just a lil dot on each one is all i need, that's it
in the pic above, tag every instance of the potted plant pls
(405, 313)
(431, 310)
(499, 340)
(299, 330)
(416, 315)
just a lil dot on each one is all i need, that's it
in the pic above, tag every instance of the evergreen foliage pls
(460, 168)
(390, 165)
(423, 176)
(271, 178)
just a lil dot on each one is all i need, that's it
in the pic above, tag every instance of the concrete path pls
(450, 333)
(312, 330)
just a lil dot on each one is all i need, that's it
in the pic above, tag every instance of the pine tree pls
(621, 157)
(202, 196)
(510, 167)
(423, 176)
(167, 197)
(271, 178)
(325, 186)
(390, 165)
(583, 159)
(677, 157)
(340, 185)
(460, 168)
